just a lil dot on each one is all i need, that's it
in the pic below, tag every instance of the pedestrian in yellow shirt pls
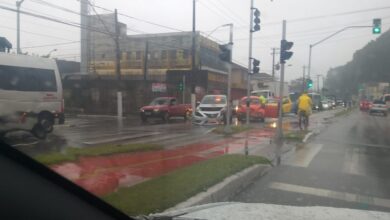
(304, 109)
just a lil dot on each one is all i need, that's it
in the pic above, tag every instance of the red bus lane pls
(103, 174)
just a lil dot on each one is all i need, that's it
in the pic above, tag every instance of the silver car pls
(211, 110)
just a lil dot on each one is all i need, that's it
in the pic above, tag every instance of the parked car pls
(256, 110)
(31, 96)
(386, 99)
(365, 105)
(211, 110)
(271, 108)
(326, 104)
(165, 108)
(378, 106)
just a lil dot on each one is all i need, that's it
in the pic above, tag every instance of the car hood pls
(243, 211)
(212, 105)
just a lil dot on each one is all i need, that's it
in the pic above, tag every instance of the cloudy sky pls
(308, 22)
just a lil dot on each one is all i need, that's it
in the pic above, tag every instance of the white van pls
(31, 96)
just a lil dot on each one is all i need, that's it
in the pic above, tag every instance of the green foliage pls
(369, 64)
(164, 192)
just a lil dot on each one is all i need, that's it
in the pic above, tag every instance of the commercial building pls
(152, 65)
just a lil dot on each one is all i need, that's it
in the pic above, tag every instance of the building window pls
(103, 56)
(186, 54)
(172, 54)
(164, 54)
(128, 55)
(138, 55)
(155, 55)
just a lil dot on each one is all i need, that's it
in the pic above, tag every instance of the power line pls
(33, 33)
(227, 15)
(58, 7)
(74, 24)
(232, 12)
(139, 19)
(50, 45)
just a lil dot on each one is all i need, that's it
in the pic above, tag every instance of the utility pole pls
(279, 132)
(273, 62)
(146, 60)
(248, 85)
(229, 96)
(193, 60)
(18, 4)
(303, 79)
(118, 67)
(84, 40)
(184, 89)
(318, 83)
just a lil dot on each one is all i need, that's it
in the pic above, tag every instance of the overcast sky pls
(308, 21)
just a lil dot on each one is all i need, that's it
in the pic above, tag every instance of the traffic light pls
(377, 26)
(309, 83)
(256, 20)
(225, 54)
(285, 54)
(255, 64)
(180, 87)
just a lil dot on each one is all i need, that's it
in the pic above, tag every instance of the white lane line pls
(344, 196)
(25, 144)
(351, 162)
(303, 157)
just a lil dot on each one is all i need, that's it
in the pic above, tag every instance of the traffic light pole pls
(248, 85)
(193, 60)
(326, 38)
(118, 67)
(279, 133)
(229, 96)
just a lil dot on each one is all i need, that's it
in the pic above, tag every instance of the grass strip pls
(166, 191)
(234, 129)
(72, 153)
(295, 135)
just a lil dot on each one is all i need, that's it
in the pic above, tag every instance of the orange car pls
(256, 111)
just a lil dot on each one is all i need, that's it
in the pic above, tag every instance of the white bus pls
(31, 96)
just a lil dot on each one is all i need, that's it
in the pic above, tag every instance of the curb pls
(226, 189)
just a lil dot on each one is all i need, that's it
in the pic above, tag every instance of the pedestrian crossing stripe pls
(331, 194)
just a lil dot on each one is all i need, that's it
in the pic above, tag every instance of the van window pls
(27, 79)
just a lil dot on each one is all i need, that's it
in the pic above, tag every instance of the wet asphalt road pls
(89, 131)
(346, 165)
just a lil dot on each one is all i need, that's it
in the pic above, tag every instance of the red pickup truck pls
(165, 108)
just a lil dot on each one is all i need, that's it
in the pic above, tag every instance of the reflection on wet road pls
(345, 166)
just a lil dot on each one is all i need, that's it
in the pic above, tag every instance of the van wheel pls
(46, 120)
(39, 132)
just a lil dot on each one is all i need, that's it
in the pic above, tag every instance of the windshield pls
(143, 104)
(213, 100)
(160, 101)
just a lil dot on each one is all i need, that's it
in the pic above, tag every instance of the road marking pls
(351, 162)
(25, 144)
(344, 196)
(357, 144)
(303, 157)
